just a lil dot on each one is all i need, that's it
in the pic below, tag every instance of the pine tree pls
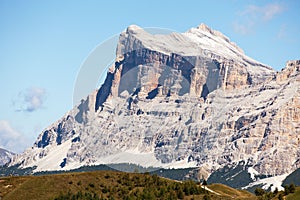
(286, 190)
(259, 192)
(180, 194)
(275, 191)
(292, 188)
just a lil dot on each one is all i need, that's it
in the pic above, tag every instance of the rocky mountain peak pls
(293, 65)
(291, 69)
(5, 156)
(132, 29)
(180, 100)
(204, 27)
(205, 59)
(201, 41)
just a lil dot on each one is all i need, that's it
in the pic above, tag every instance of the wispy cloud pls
(11, 139)
(30, 99)
(282, 33)
(252, 16)
(271, 10)
(243, 28)
(266, 12)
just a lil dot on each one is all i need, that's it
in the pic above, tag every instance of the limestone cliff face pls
(191, 99)
(149, 69)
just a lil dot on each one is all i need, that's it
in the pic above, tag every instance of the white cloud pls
(271, 10)
(30, 99)
(11, 139)
(282, 33)
(253, 15)
(266, 12)
(243, 28)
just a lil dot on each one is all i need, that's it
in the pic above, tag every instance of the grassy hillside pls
(294, 196)
(109, 185)
(232, 193)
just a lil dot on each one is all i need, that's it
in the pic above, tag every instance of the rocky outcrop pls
(291, 69)
(191, 99)
(5, 156)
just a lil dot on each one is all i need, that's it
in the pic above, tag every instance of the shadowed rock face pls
(176, 101)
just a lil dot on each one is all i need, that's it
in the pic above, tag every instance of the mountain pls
(5, 156)
(181, 100)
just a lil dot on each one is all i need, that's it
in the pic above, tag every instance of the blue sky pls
(44, 43)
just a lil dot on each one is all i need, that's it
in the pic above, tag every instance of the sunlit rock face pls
(5, 156)
(180, 100)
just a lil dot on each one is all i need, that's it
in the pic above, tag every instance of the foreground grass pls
(294, 196)
(227, 191)
(109, 185)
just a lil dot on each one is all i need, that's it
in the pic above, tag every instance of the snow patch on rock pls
(271, 182)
